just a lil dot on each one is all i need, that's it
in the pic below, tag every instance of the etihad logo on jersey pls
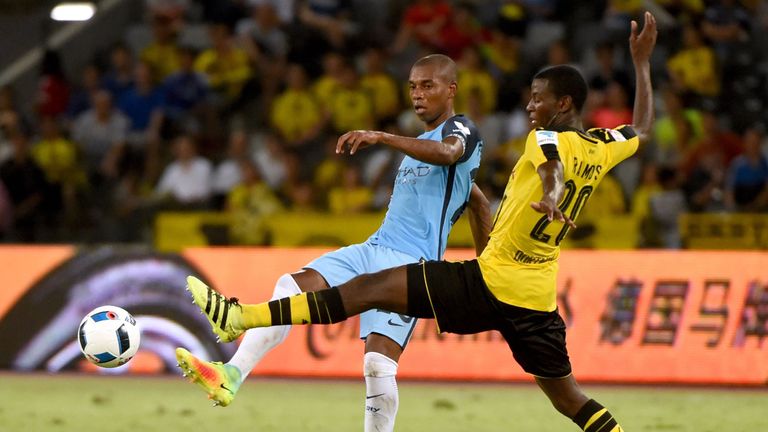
(409, 175)
(544, 137)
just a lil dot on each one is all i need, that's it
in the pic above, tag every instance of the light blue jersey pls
(428, 199)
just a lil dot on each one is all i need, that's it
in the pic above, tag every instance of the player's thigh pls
(341, 265)
(396, 327)
(393, 326)
(454, 293)
(537, 341)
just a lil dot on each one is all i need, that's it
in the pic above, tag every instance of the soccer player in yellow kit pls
(511, 287)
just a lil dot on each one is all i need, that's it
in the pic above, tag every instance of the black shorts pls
(455, 293)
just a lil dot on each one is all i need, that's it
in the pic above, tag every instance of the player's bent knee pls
(286, 286)
(378, 365)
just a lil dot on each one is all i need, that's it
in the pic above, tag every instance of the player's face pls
(430, 93)
(542, 107)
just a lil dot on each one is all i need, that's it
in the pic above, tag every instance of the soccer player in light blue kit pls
(434, 185)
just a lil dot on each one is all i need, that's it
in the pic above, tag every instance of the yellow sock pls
(321, 307)
(593, 417)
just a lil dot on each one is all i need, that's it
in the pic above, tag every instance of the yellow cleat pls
(220, 381)
(223, 314)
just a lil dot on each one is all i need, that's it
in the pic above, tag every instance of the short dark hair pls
(565, 80)
(446, 66)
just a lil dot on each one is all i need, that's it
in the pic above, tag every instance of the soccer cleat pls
(224, 314)
(220, 381)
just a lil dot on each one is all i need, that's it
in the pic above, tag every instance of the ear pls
(565, 104)
(452, 89)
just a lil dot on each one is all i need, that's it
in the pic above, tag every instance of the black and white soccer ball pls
(109, 336)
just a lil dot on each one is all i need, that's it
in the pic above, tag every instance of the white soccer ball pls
(109, 336)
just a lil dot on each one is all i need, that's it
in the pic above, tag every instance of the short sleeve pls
(541, 146)
(622, 143)
(465, 131)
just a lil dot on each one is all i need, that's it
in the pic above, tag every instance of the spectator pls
(82, 96)
(226, 67)
(162, 55)
(227, 173)
(331, 18)
(350, 106)
(463, 30)
(270, 161)
(27, 189)
(101, 133)
(423, 23)
(262, 31)
(295, 114)
(615, 111)
(727, 24)
(352, 196)
(283, 8)
(186, 95)
(53, 88)
(676, 132)
(58, 158)
(717, 146)
(186, 181)
(119, 76)
(665, 208)
(330, 80)
(381, 86)
(693, 70)
(266, 43)
(143, 105)
(9, 124)
(474, 77)
(250, 203)
(746, 183)
(503, 53)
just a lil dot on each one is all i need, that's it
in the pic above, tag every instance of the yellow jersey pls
(519, 265)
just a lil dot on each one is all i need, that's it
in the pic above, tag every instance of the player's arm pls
(551, 173)
(641, 46)
(445, 152)
(479, 218)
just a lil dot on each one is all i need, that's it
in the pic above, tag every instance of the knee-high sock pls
(320, 307)
(381, 398)
(258, 341)
(593, 417)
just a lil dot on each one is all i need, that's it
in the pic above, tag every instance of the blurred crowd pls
(236, 105)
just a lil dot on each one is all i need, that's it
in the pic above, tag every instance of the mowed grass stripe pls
(130, 404)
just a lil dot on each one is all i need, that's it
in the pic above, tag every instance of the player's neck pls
(430, 126)
(568, 119)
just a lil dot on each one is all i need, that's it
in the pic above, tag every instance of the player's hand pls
(641, 45)
(552, 211)
(355, 140)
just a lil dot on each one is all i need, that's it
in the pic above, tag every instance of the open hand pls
(641, 45)
(355, 140)
(552, 211)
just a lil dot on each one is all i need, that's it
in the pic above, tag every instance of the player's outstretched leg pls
(222, 313)
(220, 381)
(567, 397)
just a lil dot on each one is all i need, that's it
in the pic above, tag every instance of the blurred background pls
(173, 123)
(136, 135)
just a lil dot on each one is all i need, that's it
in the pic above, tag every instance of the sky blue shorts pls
(344, 264)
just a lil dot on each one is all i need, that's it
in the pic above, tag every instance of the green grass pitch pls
(59, 403)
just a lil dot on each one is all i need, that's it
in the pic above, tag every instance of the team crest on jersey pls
(463, 129)
(544, 137)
